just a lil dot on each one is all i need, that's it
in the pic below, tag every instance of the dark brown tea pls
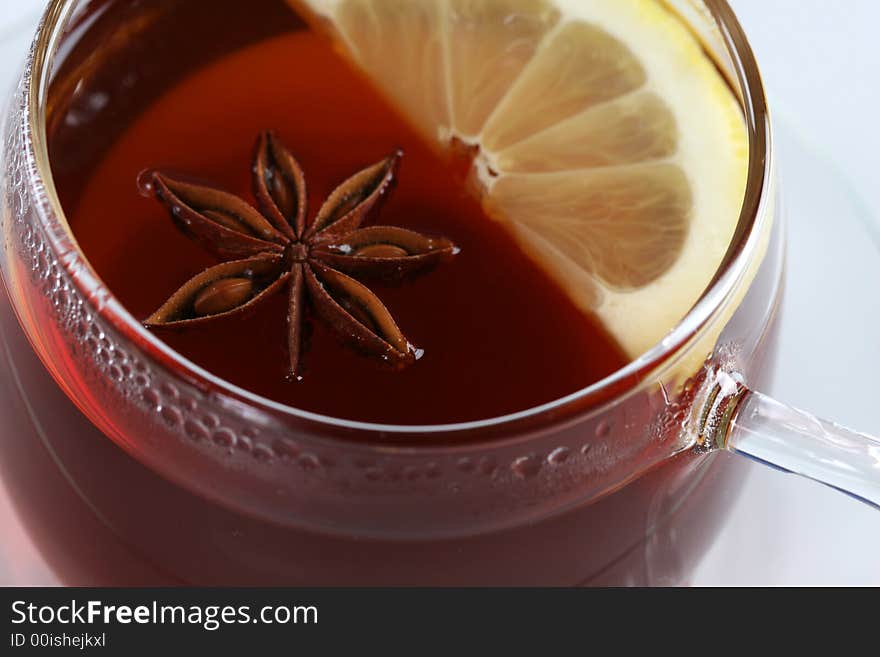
(498, 335)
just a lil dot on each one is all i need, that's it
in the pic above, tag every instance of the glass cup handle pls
(740, 420)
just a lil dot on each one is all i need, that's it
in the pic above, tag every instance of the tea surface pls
(498, 335)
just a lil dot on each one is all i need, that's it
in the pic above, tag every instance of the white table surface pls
(819, 62)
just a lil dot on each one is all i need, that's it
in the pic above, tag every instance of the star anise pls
(269, 250)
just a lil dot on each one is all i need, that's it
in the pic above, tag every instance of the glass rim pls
(744, 244)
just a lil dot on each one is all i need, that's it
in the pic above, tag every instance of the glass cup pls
(129, 464)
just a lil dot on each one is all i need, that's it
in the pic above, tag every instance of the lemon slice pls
(607, 142)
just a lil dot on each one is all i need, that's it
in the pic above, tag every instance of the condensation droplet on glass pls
(285, 449)
(465, 464)
(171, 416)
(195, 430)
(151, 397)
(309, 462)
(558, 456)
(526, 467)
(263, 453)
(224, 437)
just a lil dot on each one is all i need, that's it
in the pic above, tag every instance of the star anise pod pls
(275, 248)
